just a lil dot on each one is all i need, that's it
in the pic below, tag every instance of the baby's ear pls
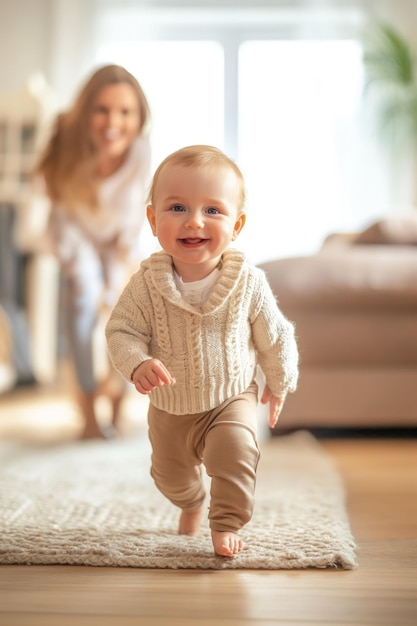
(239, 224)
(150, 214)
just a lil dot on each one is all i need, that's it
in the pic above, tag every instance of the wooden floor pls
(381, 482)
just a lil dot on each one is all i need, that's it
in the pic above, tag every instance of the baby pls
(190, 329)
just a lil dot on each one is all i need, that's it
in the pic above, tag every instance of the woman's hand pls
(275, 405)
(150, 374)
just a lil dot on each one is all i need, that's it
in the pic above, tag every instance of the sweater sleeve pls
(128, 331)
(275, 342)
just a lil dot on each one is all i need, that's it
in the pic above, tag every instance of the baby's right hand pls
(150, 374)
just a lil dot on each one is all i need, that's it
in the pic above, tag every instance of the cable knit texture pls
(211, 351)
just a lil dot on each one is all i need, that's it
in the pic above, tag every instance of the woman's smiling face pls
(115, 120)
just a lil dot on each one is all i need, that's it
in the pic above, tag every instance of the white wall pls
(47, 36)
(56, 36)
(24, 40)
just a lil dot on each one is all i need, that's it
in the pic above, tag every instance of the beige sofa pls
(354, 304)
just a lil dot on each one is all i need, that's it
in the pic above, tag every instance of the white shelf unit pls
(17, 156)
(22, 118)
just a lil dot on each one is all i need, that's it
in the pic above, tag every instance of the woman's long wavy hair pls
(68, 162)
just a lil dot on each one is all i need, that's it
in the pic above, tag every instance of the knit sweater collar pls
(162, 276)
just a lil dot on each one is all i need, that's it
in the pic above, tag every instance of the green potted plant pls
(391, 83)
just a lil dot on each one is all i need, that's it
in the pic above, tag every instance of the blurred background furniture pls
(354, 305)
(29, 278)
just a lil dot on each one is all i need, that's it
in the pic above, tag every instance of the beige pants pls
(224, 439)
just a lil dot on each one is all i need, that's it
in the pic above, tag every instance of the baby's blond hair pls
(201, 156)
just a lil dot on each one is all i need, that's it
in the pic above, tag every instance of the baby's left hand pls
(275, 405)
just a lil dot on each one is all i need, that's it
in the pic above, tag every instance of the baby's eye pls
(177, 208)
(212, 210)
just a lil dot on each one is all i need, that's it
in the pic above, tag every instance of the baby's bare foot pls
(190, 522)
(226, 543)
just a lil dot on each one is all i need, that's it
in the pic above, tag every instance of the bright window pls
(286, 105)
(298, 108)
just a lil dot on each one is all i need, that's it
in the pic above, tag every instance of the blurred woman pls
(95, 169)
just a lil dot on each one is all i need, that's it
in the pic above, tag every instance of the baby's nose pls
(195, 221)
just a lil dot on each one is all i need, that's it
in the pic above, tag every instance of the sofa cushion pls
(356, 278)
(354, 338)
(391, 230)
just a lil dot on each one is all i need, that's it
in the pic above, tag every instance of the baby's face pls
(195, 216)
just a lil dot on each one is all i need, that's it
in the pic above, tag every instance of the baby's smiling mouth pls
(193, 241)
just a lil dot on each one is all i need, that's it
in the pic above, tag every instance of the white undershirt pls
(197, 292)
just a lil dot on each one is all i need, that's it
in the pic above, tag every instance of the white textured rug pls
(93, 503)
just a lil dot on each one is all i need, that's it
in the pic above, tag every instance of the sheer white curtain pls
(287, 109)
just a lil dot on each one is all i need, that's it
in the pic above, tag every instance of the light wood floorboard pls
(380, 477)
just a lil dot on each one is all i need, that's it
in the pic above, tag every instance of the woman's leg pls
(82, 289)
(115, 276)
(114, 388)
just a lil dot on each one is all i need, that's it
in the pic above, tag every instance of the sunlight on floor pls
(40, 415)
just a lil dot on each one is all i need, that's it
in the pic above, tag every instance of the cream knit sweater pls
(211, 351)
